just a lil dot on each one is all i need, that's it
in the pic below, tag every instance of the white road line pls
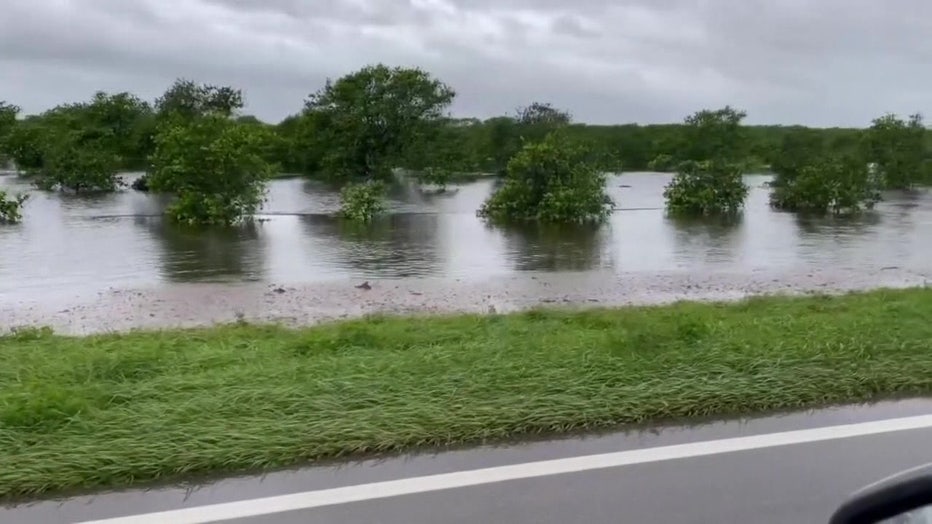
(459, 479)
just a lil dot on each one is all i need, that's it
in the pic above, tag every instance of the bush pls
(838, 185)
(79, 166)
(706, 188)
(214, 166)
(551, 181)
(11, 208)
(662, 163)
(362, 202)
(899, 149)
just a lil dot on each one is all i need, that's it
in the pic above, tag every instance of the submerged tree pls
(898, 148)
(363, 201)
(706, 188)
(365, 121)
(11, 208)
(80, 164)
(554, 180)
(80, 147)
(214, 164)
(829, 184)
(215, 168)
(708, 181)
(715, 135)
(25, 145)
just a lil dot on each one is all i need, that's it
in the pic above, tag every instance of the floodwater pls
(85, 244)
(84, 264)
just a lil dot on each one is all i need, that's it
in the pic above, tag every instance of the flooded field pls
(77, 253)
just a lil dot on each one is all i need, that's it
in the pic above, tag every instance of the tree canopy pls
(365, 121)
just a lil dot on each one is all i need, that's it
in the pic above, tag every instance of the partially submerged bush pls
(837, 185)
(662, 163)
(79, 166)
(11, 207)
(551, 181)
(362, 202)
(898, 148)
(706, 188)
(215, 168)
(436, 176)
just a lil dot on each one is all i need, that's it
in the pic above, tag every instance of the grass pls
(119, 409)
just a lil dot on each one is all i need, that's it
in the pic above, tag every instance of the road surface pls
(785, 469)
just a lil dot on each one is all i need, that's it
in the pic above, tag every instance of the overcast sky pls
(815, 62)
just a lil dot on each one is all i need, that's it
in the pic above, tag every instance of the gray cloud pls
(825, 62)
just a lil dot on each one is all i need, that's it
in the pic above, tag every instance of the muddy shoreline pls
(188, 305)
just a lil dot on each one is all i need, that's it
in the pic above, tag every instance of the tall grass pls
(119, 409)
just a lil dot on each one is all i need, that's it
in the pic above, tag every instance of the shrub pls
(706, 188)
(661, 163)
(362, 202)
(79, 166)
(551, 181)
(838, 185)
(898, 148)
(214, 166)
(11, 207)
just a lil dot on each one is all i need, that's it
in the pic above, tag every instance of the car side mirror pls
(904, 498)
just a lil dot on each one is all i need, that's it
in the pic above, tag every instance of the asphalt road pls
(787, 469)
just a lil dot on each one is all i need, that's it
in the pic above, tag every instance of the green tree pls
(8, 114)
(214, 166)
(542, 114)
(81, 146)
(73, 162)
(662, 163)
(898, 148)
(555, 180)
(449, 149)
(187, 100)
(25, 144)
(11, 208)
(837, 184)
(502, 141)
(127, 124)
(798, 149)
(366, 121)
(715, 135)
(296, 147)
(706, 188)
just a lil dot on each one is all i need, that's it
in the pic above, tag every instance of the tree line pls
(195, 143)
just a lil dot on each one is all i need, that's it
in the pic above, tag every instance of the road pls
(792, 468)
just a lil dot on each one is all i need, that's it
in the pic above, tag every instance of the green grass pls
(119, 409)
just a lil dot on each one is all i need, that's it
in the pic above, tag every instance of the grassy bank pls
(119, 409)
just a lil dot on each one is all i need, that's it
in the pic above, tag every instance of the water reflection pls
(198, 254)
(823, 226)
(707, 239)
(391, 246)
(550, 247)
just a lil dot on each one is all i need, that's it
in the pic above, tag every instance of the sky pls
(811, 62)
